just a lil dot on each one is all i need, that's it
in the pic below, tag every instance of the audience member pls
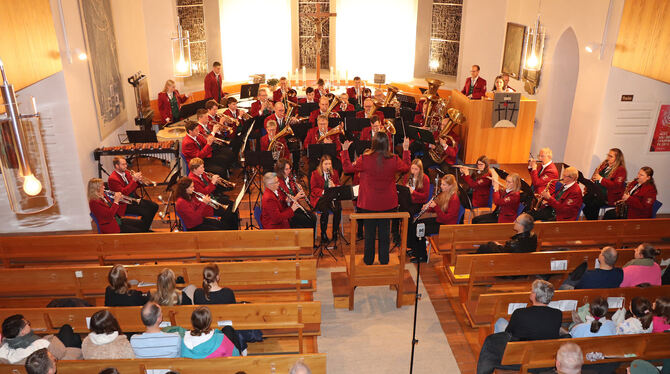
(642, 269)
(41, 362)
(569, 359)
(118, 293)
(19, 341)
(203, 341)
(607, 276)
(211, 292)
(538, 321)
(596, 323)
(641, 367)
(523, 241)
(109, 371)
(106, 341)
(661, 320)
(167, 293)
(300, 368)
(154, 343)
(637, 320)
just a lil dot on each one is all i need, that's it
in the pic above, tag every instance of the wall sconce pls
(80, 54)
(22, 158)
(433, 64)
(181, 53)
(533, 52)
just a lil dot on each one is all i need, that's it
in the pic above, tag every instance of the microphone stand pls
(417, 295)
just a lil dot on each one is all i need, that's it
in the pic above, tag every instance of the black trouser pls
(592, 206)
(209, 224)
(611, 214)
(490, 247)
(337, 217)
(413, 209)
(130, 225)
(67, 336)
(372, 227)
(146, 209)
(486, 218)
(302, 220)
(546, 213)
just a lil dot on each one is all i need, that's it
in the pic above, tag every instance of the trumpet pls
(245, 116)
(221, 141)
(124, 199)
(339, 129)
(142, 179)
(222, 182)
(213, 203)
(229, 119)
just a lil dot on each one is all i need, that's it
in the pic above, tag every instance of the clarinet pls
(292, 199)
(425, 207)
(299, 187)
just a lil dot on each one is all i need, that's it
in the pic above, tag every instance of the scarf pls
(23, 341)
(640, 261)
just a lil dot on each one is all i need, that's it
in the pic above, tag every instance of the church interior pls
(174, 138)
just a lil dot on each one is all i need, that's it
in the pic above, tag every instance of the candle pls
(330, 80)
(346, 79)
(297, 77)
(288, 76)
(304, 76)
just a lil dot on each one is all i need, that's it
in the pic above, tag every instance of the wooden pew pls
(250, 364)
(484, 267)
(287, 326)
(453, 239)
(252, 281)
(542, 353)
(492, 306)
(129, 248)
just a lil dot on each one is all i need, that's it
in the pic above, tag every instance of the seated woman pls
(596, 323)
(523, 241)
(324, 176)
(204, 342)
(479, 181)
(418, 184)
(169, 102)
(507, 202)
(105, 212)
(195, 212)
(636, 320)
(211, 292)
(661, 314)
(167, 293)
(105, 341)
(289, 185)
(118, 293)
(610, 179)
(643, 268)
(639, 197)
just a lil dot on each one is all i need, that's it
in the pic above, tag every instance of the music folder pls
(388, 112)
(422, 135)
(315, 151)
(357, 124)
(362, 145)
(249, 90)
(259, 158)
(332, 122)
(188, 110)
(307, 108)
(348, 114)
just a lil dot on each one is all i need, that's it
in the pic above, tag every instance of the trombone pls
(213, 203)
(222, 182)
(142, 179)
(124, 199)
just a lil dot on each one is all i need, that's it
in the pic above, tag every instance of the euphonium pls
(375, 107)
(392, 92)
(277, 147)
(333, 104)
(290, 107)
(339, 129)
(388, 127)
(437, 154)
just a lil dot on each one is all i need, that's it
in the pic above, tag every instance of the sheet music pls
(564, 305)
(614, 302)
(511, 307)
(355, 190)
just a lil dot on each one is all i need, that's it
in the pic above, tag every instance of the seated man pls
(569, 359)
(324, 103)
(276, 212)
(541, 178)
(538, 321)
(41, 362)
(122, 180)
(523, 241)
(309, 96)
(563, 204)
(154, 343)
(368, 105)
(262, 106)
(344, 106)
(607, 276)
(195, 144)
(19, 341)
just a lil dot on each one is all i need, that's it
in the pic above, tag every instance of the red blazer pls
(541, 179)
(206, 187)
(419, 196)
(508, 204)
(317, 94)
(481, 188)
(105, 215)
(237, 115)
(351, 92)
(419, 105)
(614, 184)
(265, 144)
(275, 213)
(213, 90)
(641, 202)
(317, 185)
(164, 107)
(255, 109)
(366, 135)
(568, 205)
(276, 96)
(191, 150)
(313, 135)
(116, 184)
(419, 119)
(273, 117)
(361, 114)
(377, 188)
(478, 91)
(193, 211)
(450, 217)
(293, 190)
(350, 108)
(313, 116)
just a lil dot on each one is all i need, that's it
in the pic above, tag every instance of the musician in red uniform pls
(279, 117)
(418, 185)
(213, 124)
(169, 102)
(282, 92)
(480, 182)
(566, 202)
(377, 193)
(275, 213)
(344, 105)
(122, 180)
(106, 212)
(355, 93)
(309, 96)
(320, 90)
(322, 111)
(475, 86)
(506, 202)
(262, 106)
(610, 178)
(323, 177)
(214, 83)
(540, 178)
(205, 185)
(368, 104)
(271, 127)
(195, 144)
(449, 147)
(196, 215)
(639, 196)
(289, 186)
(315, 133)
(236, 115)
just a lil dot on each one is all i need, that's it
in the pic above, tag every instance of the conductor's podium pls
(359, 274)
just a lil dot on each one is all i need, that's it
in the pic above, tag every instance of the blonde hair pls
(166, 289)
(548, 152)
(93, 188)
(324, 158)
(419, 178)
(271, 123)
(516, 181)
(442, 200)
(571, 172)
(195, 163)
(168, 83)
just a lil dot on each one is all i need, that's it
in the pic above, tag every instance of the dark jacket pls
(524, 242)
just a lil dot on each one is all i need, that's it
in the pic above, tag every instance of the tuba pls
(392, 92)
(339, 129)
(277, 148)
(433, 86)
(455, 118)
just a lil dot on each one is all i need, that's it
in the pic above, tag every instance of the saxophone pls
(620, 207)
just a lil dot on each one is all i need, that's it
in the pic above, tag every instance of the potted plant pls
(272, 83)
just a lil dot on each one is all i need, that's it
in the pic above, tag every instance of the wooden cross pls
(319, 18)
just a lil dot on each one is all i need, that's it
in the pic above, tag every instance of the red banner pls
(661, 140)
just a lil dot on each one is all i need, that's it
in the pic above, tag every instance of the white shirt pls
(568, 185)
(122, 175)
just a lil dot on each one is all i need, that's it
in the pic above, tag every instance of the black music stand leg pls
(249, 181)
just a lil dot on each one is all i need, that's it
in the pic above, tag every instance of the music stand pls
(253, 161)
(388, 112)
(406, 101)
(307, 108)
(362, 145)
(330, 195)
(353, 125)
(141, 136)
(526, 190)
(423, 135)
(348, 114)
(249, 90)
(189, 109)
(332, 122)
(592, 188)
(172, 180)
